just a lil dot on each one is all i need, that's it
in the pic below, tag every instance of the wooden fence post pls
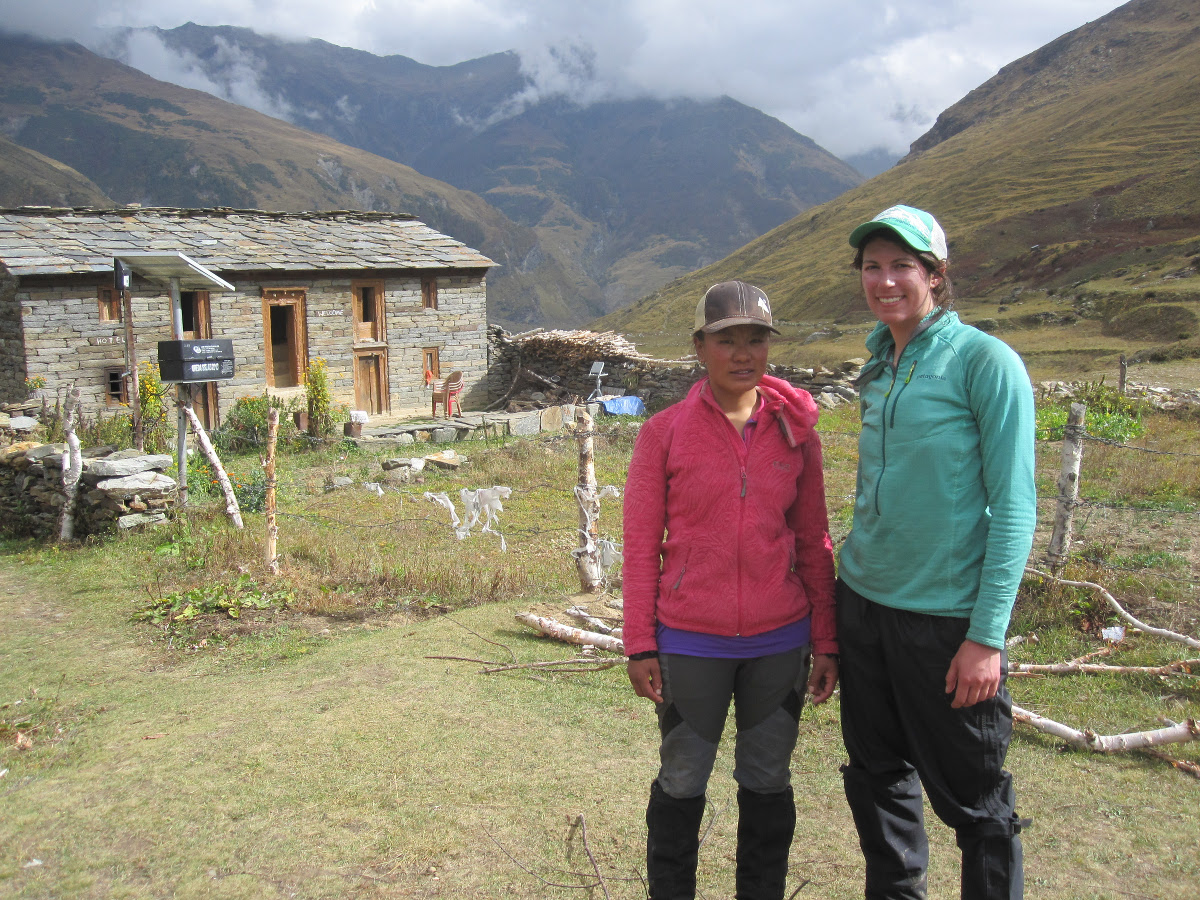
(272, 528)
(72, 466)
(587, 557)
(1123, 374)
(1068, 487)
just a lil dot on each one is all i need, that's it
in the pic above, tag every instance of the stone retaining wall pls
(116, 490)
(658, 382)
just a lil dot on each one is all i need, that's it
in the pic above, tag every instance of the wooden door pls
(370, 382)
(285, 336)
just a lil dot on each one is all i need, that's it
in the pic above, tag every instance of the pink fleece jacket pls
(746, 545)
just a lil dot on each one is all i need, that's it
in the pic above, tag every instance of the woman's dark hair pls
(943, 291)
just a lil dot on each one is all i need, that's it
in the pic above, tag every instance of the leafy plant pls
(320, 398)
(155, 421)
(250, 488)
(1110, 415)
(245, 425)
(179, 608)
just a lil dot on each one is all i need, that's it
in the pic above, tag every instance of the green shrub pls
(320, 398)
(250, 488)
(156, 425)
(245, 425)
(1110, 415)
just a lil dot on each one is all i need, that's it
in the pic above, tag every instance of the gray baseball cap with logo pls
(733, 303)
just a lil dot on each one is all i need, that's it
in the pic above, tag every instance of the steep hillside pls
(144, 141)
(633, 193)
(1073, 170)
(29, 178)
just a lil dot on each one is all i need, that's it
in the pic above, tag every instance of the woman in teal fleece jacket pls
(728, 584)
(943, 523)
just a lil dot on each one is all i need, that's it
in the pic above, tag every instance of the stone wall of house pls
(12, 356)
(65, 341)
(116, 490)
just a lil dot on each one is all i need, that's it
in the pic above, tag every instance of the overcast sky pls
(854, 75)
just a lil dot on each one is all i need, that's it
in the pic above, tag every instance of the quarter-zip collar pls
(881, 343)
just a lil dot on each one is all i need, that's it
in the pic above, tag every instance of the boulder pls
(120, 466)
(143, 484)
(41, 451)
(137, 520)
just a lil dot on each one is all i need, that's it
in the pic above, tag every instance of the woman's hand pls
(974, 674)
(646, 678)
(822, 677)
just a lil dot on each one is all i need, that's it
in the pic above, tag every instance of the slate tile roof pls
(50, 241)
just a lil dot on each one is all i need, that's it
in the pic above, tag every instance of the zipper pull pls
(743, 482)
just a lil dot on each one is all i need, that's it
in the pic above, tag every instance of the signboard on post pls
(195, 361)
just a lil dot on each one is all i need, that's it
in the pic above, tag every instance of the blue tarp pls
(623, 406)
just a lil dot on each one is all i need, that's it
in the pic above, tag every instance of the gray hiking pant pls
(767, 694)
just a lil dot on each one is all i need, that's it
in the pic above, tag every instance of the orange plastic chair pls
(447, 394)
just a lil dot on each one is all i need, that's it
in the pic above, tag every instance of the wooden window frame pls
(429, 354)
(201, 315)
(111, 308)
(429, 292)
(377, 332)
(122, 398)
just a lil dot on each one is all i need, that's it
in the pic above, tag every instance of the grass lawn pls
(314, 748)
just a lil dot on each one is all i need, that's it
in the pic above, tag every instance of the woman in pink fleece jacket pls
(728, 584)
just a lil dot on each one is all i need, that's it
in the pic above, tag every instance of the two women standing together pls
(730, 592)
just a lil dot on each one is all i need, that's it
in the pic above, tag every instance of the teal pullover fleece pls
(946, 502)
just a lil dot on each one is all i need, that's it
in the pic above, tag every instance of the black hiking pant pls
(902, 734)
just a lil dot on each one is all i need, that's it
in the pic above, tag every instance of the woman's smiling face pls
(898, 287)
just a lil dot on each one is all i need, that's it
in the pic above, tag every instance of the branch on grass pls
(570, 634)
(1119, 609)
(1182, 667)
(589, 664)
(588, 851)
(485, 640)
(530, 871)
(1175, 733)
(1188, 768)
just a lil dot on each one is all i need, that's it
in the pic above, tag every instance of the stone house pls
(388, 302)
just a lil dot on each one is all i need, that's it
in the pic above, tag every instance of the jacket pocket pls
(673, 583)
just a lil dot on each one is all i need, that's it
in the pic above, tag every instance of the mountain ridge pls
(1073, 170)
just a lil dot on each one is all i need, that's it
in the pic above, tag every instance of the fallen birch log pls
(571, 634)
(1182, 667)
(1175, 733)
(1119, 609)
(581, 615)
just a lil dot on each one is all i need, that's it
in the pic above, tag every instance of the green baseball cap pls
(913, 226)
